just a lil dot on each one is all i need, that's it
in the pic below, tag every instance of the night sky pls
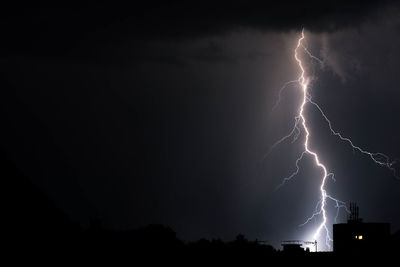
(162, 112)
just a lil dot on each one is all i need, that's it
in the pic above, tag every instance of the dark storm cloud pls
(53, 29)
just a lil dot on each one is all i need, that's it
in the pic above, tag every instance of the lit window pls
(360, 237)
(356, 237)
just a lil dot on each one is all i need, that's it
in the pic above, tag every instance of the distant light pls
(356, 237)
(360, 237)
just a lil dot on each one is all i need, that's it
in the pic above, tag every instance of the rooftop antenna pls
(354, 213)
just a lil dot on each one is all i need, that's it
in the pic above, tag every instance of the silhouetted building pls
(357, 236)
(292, 246)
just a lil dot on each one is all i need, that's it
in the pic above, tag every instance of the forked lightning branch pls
(301, 125)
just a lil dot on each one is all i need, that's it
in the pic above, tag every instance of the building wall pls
(360, 237)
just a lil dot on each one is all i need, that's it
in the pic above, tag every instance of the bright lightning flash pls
(301, 124)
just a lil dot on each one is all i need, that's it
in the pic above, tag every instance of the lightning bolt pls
(301, 124)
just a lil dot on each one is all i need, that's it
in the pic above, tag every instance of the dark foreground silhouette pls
(36, 231)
